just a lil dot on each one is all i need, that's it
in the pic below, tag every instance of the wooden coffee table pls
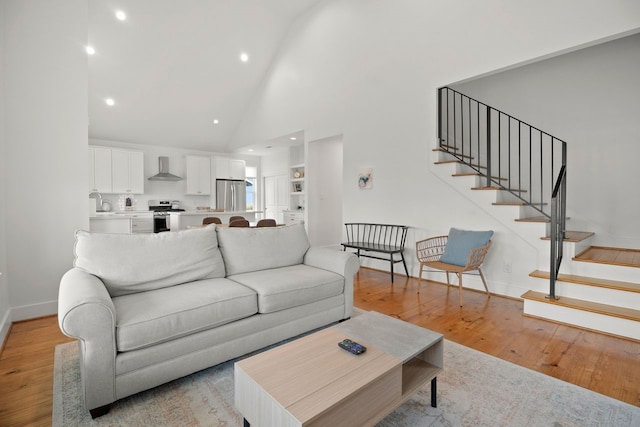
(313, 382)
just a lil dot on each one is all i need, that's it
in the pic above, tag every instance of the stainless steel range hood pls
(164, 175)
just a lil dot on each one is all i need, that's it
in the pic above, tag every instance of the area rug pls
(475, 389)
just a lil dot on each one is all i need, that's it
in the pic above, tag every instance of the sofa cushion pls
(148, 318)
(129, 263)
(287, 287)
(255, 249)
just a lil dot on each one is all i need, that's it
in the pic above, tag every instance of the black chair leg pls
(391, 259)
(405, 264)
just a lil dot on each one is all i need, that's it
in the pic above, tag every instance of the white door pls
(324, 191)
(275, 197)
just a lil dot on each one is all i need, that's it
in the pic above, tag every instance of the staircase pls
(480, 153)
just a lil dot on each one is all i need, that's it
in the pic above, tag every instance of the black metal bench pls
(381, 238)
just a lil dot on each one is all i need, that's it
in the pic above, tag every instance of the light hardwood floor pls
(495, 325)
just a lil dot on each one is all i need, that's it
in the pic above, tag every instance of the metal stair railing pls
(511, 155)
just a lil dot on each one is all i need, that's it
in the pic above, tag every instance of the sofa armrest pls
(86, 312)
(343, 263)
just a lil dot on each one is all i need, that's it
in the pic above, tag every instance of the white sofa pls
(149, 308)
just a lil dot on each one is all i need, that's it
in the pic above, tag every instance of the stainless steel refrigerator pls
(231, 195)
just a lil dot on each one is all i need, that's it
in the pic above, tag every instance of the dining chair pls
(459, 252)
(239, 223)
(211, 220)
(235, 217)
(267, 222)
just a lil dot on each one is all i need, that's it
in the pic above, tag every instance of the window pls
(251, 180)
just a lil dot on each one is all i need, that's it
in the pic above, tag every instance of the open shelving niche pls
(297, 185)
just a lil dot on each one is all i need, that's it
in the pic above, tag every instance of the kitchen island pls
(125, 222)
(182, 220)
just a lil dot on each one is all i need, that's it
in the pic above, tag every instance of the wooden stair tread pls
(612, 256)
(518, 203)
(593, 307)
(478, 174)
(487, 188)
(509, 204)
(590, 281)
(533, 219)
(573, 236)
(444, 162)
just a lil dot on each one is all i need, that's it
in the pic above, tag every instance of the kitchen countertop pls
(213, 213)
(118, 214)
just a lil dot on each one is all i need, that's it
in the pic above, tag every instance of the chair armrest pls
(431, 249)
(476, 256)
(86, 312)
(345, 264)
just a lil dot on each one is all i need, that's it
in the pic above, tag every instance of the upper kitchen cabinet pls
(198, 175)
(226, 168)
(127, 169)
(100, 170)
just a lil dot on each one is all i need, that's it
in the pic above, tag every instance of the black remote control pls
(352, 347)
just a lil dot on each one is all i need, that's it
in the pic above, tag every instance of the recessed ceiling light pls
(244, 57)
(121, 15)
(90, 50)
(250, 149)
(293, 138)
(216, 121)
(110, 102)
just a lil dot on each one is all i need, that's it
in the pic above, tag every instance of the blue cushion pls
(460, 242)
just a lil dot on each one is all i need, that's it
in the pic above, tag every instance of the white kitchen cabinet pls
(127, 168)
(100, 169)
(226, 168)
(114, 225)
(198, 175)
(293, 217)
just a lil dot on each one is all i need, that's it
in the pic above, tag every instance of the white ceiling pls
(172, 67)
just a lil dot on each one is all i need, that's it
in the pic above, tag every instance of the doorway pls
(275, 197)
(325, 181)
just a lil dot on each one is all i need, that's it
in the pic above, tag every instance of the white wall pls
(591, 99)
(5, 310)
(369, 71)
(44, 160)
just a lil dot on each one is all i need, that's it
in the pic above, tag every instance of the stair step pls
(479, 174)
(534, 219)
(592, 307)
(448, 147)
(487, 188)
(518, 203)
(613, 256)
(590, 281)
(444, 162)
(573, 236)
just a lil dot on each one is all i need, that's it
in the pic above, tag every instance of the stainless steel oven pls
(161, 210)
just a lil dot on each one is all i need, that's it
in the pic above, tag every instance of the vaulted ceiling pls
(174, 68)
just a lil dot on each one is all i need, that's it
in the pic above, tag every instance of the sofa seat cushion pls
(129, 263)
(147, 318)
(286, 287)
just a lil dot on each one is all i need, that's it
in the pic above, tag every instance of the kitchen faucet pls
(95, 193)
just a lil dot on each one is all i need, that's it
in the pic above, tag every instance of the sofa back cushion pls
(252, 249)
(130, 263)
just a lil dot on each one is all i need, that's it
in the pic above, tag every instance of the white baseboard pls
(33, 311)
(5, 325)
